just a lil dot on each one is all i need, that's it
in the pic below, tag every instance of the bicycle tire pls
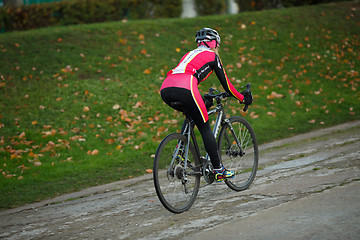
(173, 194)
(245, 167)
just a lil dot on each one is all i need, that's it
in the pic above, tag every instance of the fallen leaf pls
(37, 163)
(271, 114)
(110, 141)
(22, 135)
(147, 71)
(274, 95)
(116, 107)
(138, 104)
(299, 103)
(95, 152)
(149, 170)
(253, 115)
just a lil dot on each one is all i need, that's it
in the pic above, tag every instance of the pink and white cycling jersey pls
(199, 63)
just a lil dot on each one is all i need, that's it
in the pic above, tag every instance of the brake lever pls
(245, 108)
(248, 91)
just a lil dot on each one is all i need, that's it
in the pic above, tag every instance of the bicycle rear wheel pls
(176, 188)
(242, 160)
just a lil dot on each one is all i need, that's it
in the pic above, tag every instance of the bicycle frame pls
(177, 188)
(188, 130)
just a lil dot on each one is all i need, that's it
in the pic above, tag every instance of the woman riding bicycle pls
(181, 85)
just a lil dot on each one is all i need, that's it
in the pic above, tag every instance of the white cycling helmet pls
(207, 35)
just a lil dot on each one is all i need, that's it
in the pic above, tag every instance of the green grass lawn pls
(80, 105)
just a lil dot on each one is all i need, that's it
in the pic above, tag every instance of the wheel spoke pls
(243, 159)
(175, 188)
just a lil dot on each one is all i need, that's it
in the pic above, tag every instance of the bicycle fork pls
(241, 152)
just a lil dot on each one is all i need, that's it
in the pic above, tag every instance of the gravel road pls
(300, 178)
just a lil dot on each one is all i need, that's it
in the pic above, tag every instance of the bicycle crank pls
(208, 172)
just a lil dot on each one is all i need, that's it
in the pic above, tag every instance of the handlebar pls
(222, 95)
(217, 96)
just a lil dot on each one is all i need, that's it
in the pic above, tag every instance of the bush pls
(210, 7)
(256, 5)
(84, 11)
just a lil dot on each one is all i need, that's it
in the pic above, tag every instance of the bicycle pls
(178, 164)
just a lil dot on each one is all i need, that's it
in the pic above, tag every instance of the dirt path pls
(291, 170)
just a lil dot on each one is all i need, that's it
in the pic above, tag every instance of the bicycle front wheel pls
(239, 152)
(176, 186)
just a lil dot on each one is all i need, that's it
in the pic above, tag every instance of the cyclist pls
(181, 85)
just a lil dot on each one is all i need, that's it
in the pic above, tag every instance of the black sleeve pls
(225, 82)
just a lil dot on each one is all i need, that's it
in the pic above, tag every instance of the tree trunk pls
(188, 9)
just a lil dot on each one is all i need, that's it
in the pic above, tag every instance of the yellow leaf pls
(34, 122)
(149, 170)
(86, 109)
(147, 71)
(177, 49)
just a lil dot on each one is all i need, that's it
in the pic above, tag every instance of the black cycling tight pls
(172, 94)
